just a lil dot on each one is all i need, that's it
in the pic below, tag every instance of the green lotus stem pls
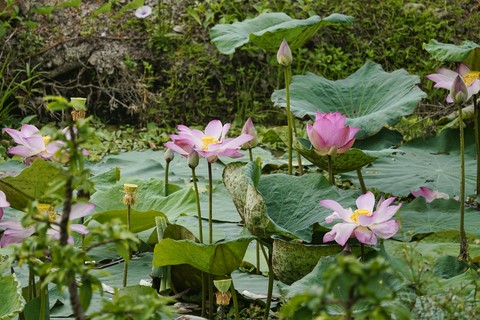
(362, 252)
(270, 284)
(331, 178)
(167, 167)
(199, 210)
(125, 265)
(477, 140)
(287, 74)
(210, 204)
(200, 235)
(463, 238)
(235, 301)
(360, 179)
(210, 296)
(204, 296)
(258, 256)
(32, 290)
(43, 303)
(299, 156)
(257, 247)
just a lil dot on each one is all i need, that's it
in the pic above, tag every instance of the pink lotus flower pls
(249, 128)
(15, 232)
(445, 79)
(329, 135)
(364, 223)
(3, 203)
(210, 144)
(32, 144)
(429, 194)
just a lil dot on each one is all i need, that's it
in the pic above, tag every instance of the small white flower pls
(143, 12)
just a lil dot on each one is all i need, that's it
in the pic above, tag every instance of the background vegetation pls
(163, 70)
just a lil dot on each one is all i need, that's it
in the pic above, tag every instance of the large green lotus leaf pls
(150, 196)
(11, 297)
(434, 162)
(468, 52)
(139, 220)
(371, 98)
(220, 258)
(351, 160)
(141, 165)
(420, 218)
(269, 29)
(280, 204)
(31, 184)
(254, 286)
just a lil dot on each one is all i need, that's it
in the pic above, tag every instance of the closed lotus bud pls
(249, 128)
(168, 155)
(284, 54)
(459, 91)
(130, 196)
(193, 160)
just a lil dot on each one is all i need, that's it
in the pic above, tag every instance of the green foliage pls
(349, 288)
(136, 302)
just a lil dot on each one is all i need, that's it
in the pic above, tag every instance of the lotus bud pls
(168, 155)
(223, 295)
(284, 54)
(193, 160)
(459, 91)
(79, 108)
(249, 128)
(130, 194)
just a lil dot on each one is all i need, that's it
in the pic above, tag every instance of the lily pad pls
(371, 98)
(31, 184)
(468, 52)
(11, 297)
(269, 29)
(150, 197)
(421, 218)
(433, 162)
(349, 161)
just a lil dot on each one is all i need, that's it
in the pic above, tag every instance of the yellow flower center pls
(208, 140)
(359, 212)
(470, 77)
(46, 139)
(47, 208)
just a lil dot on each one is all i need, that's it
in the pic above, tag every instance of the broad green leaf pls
(371, 98)
(280, 204)
(421, 218)
(31, 184)
(468, 52)
(220, 258)
(11, 297)
(433, 162)
(140, 220)
(349, 161)
(150, 197)
(269, 29)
